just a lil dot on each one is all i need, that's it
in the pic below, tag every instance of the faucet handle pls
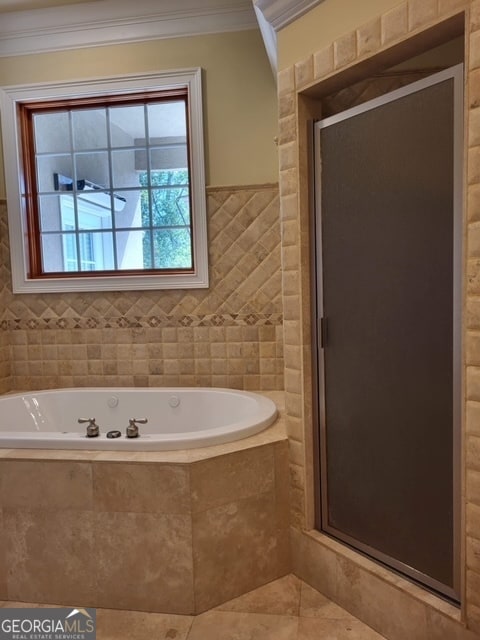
(92, 427)
(132, 429)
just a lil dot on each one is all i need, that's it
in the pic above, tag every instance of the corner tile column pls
(472, 340)
(394, 27)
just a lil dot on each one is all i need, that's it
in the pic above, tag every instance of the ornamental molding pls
(273, 15)
(269, 36)
(280, 13)
(107, 22)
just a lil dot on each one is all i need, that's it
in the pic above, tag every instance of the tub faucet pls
(132, 429)
(92, 427)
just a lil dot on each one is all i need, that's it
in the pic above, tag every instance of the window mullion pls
(74, 192)
(111, 191)
(149, 186)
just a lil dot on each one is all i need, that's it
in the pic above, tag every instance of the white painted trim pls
(107, 22)
(280, 13)
(269, 39)
(10, 96)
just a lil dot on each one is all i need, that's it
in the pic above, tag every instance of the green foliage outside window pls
(165, 206)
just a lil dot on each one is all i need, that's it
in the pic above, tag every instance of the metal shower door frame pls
(456, 74)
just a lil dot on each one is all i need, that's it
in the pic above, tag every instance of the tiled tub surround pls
(174, 532)
(229, 335)
(385, 601)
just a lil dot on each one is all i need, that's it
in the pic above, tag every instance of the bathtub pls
(177, 418)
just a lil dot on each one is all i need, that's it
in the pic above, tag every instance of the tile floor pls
(286, 609)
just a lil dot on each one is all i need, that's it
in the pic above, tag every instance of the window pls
(105, 184)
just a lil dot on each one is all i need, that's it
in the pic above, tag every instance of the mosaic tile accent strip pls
(126, 322)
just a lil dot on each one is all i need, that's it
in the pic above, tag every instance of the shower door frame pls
(456, 73)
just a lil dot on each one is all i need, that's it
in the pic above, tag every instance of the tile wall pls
(229, 335)
(330, 567)
(5, 369)
(5, 364)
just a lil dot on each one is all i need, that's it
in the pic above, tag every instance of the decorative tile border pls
(147, 322)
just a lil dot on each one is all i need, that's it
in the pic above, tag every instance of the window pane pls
(52, 132)
(89, 129)
(125, 165)
(170, 207)
(130, 249)
(50, 213)
(172, 249)
(96, 251)
(70, 254)
(128, 212)
(48, 166)
(148, 249)
(170, 155)
(93, 168)
(168, 178)
(166, 120)
(93, 217)
(127, 126)
(94, 208)
(59, 252)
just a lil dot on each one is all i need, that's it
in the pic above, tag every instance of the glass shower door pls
(388, 244)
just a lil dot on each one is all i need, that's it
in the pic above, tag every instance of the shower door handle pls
(322, 332)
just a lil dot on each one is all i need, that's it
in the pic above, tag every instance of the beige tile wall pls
(407, 19)
(5, 364)
(228, 335)
(5, 370)
(148, 536)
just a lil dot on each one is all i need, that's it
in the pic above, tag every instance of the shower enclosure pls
(388, 191)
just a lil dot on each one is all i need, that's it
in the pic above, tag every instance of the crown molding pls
(273, 15)
(279, 13)
(269, 39)
(107, 22)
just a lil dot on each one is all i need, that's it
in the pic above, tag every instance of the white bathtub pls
(178, 418)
